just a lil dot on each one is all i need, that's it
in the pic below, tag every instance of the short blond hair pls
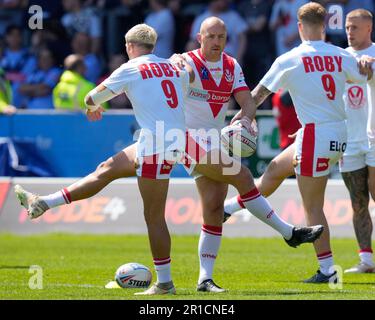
(360, 13)
(312, 13)
(143, 35)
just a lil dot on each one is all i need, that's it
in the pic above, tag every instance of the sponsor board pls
(118, 209)
(4, 187)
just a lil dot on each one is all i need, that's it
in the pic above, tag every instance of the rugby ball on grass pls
(238, 139)
(133, 275)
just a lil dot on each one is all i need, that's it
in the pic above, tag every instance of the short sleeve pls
(274, 79)
(118, 81)
(239, 79)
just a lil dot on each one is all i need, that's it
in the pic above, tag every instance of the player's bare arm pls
(365, 65)
(180, 61)
(259, 94)
(248, 108)
(94, 99)
(190, 71)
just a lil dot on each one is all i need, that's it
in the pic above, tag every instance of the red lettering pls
(156, 70)
(308, 64)
(341, 213)
(175, 70)
(318, 61)
(4, 187)
(54, 215)
(75, 211)
(338, 60)
(145, 71)
(328, 61)
(181, 211)
(93, 214)
(293, 212)
(166, 69)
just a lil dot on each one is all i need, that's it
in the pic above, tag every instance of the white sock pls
(57, 199)
(259, 207)
(326, 262)
(163, 269)
(366, 256)
(208, 248)
(232, 205)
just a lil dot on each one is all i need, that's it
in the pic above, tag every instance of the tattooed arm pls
(259, 94)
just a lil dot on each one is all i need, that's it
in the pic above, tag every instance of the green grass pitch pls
(78, 267)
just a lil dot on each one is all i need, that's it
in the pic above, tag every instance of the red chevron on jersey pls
(217, 94)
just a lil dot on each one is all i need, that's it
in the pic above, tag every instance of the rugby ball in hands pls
(239, 138)
(133, 275)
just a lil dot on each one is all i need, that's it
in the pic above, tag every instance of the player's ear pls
(199, 38)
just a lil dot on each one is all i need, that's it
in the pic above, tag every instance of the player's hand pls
(249, 125)
(365, 66)
(178, 60)
(293, 135)
(246, 122)
(9, 110)
(95, 115)
(236, 117)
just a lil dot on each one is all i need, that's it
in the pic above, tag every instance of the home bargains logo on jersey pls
(94, 210)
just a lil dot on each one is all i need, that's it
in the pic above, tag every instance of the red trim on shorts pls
(240, 202)
(308, 147)
(149, 167)
(324, 255)
(251, 195)
(217, 231)
(369, 250)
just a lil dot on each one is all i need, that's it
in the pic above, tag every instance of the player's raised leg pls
(254, 202)
(280, 168)
(154, 195)
(211, 232)
(120, 165)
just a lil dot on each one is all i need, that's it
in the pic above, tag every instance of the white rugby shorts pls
(318, 147)
(357, 155)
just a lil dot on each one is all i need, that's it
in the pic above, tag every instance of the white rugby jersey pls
(356, 102)
(208, 96)
(371, 101)
(156, 90)
(315, 73)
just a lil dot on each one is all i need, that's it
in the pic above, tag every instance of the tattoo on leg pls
(356, 183)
